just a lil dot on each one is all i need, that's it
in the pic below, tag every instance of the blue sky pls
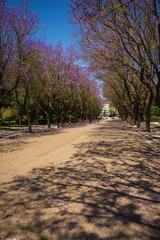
(54, 14)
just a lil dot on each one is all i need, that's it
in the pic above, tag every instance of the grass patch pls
(8, 127)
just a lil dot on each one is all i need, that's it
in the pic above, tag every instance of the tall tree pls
(134, 26)
(17, 24)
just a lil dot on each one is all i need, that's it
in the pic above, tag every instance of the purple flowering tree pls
(27, 91)
(50, 80)
(17, 24)
(41, 76)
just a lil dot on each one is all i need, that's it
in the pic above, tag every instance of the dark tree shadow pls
(12, 146)
(110, 189)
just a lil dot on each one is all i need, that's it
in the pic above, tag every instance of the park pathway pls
(94, 182)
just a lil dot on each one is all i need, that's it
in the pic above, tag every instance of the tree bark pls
(58, 120)
(48, 120)
(147, 121)
(70, 119)
(138, 117)
(138, 121)
(29, 123)
(61, 119)
(147, 113)
(36, 118)
(90, 118)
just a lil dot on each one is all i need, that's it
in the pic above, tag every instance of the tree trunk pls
(81, 116)
(36, 118)
(29, 123)
(131, 116)
(147, 113)
(90, 118)
(48, 120)
(122, 117)
(61, 119)
(131, 120)
(138, 121)
(137, 116)
(20, 119)
(58, 120)
(147, 121)
(70, 119)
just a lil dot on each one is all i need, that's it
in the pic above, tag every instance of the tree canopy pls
(121, 41)
(41, 77)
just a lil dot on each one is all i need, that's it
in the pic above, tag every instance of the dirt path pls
(98, 182)
(22, 155)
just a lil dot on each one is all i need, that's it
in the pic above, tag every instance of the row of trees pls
(37, 77)
(121, 41)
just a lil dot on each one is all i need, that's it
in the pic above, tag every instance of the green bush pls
(9, 123)
(155, 119)
(155, 114)
(112, 112)
(8, 114)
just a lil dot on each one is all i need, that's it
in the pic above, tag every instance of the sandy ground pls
(98, 181)
(21, 155)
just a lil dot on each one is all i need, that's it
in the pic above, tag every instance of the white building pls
(105, 110)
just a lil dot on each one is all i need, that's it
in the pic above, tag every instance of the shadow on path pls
(110, 189)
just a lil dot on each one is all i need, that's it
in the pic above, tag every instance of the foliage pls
(155, 113)
(7, 114)
(17, 24)
(40, 77)
(112, 112)
(120, 42)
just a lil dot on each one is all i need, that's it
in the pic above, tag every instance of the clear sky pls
(54, 14)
